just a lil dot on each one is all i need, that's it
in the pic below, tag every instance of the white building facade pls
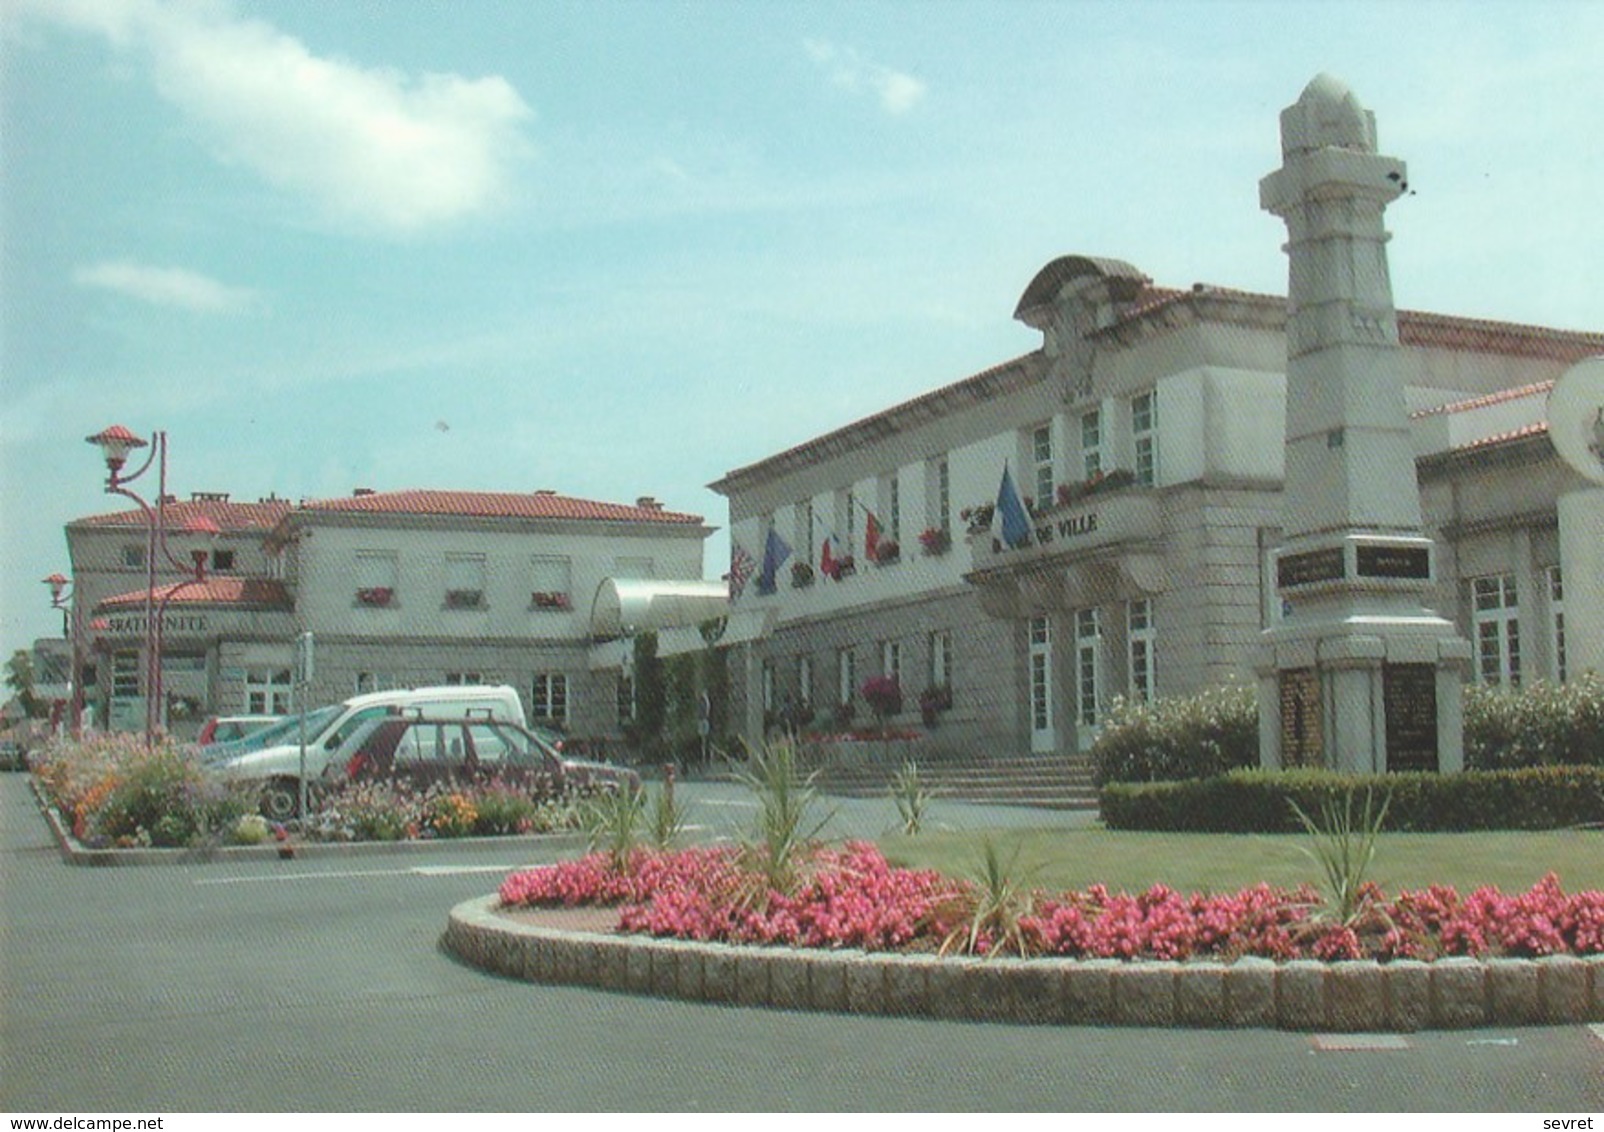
(398, 589)
(1145, 438)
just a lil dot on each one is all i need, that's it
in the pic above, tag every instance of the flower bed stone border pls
(74, 852)
(1402, 996)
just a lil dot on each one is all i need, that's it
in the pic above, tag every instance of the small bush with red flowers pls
(853, 898)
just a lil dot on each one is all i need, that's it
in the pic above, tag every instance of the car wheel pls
(281, 799)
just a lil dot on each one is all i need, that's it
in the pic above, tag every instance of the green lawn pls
(1068, 859)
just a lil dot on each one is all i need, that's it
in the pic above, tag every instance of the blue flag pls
(775, 552)
(1015, 523)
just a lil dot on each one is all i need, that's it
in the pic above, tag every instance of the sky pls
(621, 248)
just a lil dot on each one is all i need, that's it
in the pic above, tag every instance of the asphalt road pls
(319, 985)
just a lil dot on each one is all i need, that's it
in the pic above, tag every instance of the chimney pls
(359, 492)
(647, 503)
(208, 497)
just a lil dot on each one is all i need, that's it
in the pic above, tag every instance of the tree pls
(651, 707)
(20, 679)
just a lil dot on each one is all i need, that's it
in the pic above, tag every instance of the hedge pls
(1540, 724)
(1178, 737)
(1255, 801)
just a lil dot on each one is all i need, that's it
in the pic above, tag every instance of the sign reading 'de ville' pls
(1072, 526)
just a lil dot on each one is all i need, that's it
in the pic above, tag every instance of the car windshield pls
(284, 732)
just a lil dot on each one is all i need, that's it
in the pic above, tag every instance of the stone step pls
(1042, 782)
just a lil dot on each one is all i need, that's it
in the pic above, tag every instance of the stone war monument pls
(1359, 676)
(1576, 428)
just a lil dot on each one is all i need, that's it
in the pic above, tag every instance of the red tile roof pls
(257, 592)
(1415, 328)
(493, 505)
(1536, 428)
(229, 517)
(1498, 398)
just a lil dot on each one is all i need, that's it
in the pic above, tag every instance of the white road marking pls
(352, 874)
(1598, 1030)
(1334, 1043)
(1492, 1042)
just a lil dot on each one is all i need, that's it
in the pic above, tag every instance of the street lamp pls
(61, 598)
(116, 443)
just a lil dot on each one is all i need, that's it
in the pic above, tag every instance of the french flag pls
(828, 566)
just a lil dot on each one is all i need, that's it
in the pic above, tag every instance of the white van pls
(275, 760)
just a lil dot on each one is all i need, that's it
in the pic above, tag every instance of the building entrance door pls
(1043, 740)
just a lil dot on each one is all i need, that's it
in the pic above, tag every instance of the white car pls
(273, 756)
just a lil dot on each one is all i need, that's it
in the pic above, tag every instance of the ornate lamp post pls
(61, 598)
(116, 443)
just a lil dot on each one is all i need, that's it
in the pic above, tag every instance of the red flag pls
(871, 537)
(827, 563)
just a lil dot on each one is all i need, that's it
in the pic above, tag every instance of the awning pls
(624, 606)
(684, 620)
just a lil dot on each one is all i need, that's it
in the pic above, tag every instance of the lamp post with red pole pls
(61, 598)
(116, 443)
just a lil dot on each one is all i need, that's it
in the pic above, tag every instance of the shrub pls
(373, 810)
(1256, 801)
(452, 815)
(112, 789)
(883, 695)
(1178, 737)
(1541, 724)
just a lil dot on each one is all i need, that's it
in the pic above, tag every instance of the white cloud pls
(897, 91)
(164, 286)
(372, 147)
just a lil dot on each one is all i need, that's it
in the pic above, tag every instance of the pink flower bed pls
(852, 898)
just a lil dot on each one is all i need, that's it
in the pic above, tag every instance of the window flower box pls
(845, 567)
(1069, 493)
(887, 552)
(465, 599)
(883, 695)
(935, 541)
(801, 575)
(935, 699)
(549, 599)
(375, 596)
(978, 518)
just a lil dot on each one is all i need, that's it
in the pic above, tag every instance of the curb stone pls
(1401, 996)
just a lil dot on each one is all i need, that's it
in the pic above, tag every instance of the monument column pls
(1360, 676)
(1576, 428)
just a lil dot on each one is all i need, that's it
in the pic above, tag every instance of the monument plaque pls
(1309, 567)
(1300, 718)
(1393, 561)
(1409, 697)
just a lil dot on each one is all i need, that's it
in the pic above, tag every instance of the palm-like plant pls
(785, 823)
(912, 798)
(991, 908)
(1344, 847)
(667, 820)
(613, 822)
